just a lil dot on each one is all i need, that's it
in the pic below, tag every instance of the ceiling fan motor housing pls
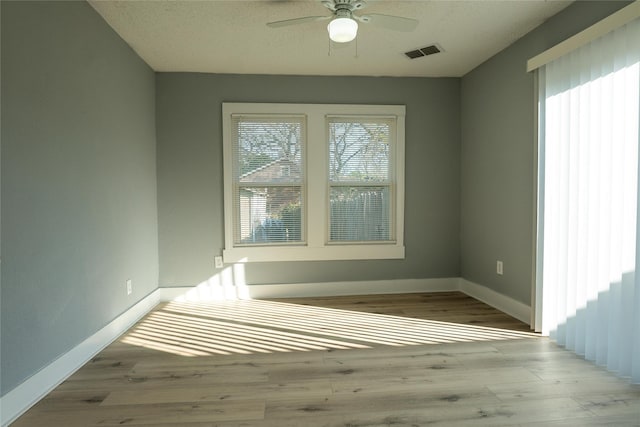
(344, 5)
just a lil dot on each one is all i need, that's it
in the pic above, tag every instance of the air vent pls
(424, 51)
(430, 50)
(413, 54)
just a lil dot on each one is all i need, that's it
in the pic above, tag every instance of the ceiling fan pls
(343, 26)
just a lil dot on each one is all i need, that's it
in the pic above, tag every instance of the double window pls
(313, 181)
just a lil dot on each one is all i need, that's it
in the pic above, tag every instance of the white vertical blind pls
(588, 234)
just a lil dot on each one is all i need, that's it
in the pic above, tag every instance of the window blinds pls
(360, 185)
(268, 170)
(589, 286)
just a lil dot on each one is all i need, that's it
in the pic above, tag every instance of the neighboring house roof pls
(280, 170)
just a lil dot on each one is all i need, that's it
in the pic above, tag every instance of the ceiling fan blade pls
(397, 23)
(329, 5)
(296, 21)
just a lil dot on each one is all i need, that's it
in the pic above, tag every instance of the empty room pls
(319, 213)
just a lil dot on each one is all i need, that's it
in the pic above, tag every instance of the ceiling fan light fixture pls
(342, 30)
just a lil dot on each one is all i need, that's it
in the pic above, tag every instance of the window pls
(360, 151)
(267, 196)
(313, 181)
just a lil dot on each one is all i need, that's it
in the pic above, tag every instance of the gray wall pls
(79, 212)
(497, 155)
(190, 187)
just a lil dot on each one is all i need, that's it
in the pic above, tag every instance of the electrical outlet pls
(129, 286)
(218, 262)
(499, 267)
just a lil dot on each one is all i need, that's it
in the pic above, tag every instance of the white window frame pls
(316, 186)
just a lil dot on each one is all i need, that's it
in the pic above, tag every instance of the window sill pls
(307, 253)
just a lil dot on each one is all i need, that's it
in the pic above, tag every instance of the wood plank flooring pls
(383, 360)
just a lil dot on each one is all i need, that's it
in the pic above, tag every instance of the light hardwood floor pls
(386, 360)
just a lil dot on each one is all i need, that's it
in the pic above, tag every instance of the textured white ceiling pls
(231, 36)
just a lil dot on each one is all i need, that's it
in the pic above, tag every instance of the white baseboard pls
(209, 292)
(402, 286)
(496, 300)
(20, 399)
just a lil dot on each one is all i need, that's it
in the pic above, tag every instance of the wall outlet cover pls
(218, 262)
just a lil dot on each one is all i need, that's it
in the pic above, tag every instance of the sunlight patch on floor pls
(251, 326)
